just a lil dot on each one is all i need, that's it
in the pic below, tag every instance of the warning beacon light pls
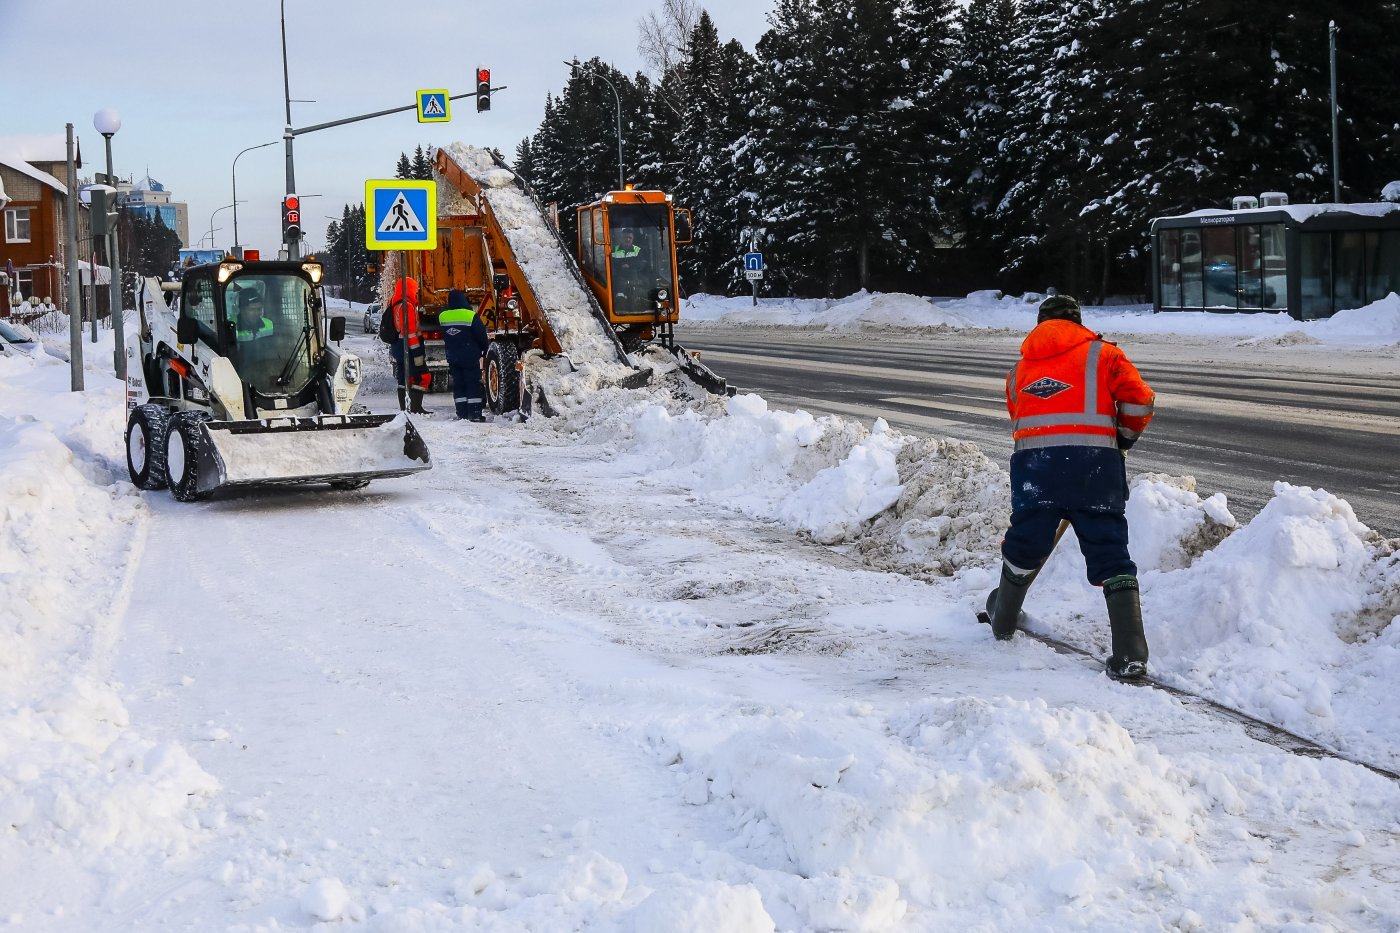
(291, 218)
(483, 89)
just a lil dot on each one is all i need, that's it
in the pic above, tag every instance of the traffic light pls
(104, 211)
(291, 219)
(483, 89)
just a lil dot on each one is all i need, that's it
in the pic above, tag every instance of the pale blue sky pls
(195, 83)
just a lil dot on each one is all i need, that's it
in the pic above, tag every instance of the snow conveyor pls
(496, 242)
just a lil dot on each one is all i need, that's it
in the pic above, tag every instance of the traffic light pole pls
(290, 134)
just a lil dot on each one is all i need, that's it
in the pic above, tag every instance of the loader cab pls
(265, 318)
(627, 250)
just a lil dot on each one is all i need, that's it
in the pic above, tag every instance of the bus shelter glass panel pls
(1348, 270)
(1382, 264)
(1192, 285)
(1250, 273)
(1275, 257)
(1169, 268)
(1315, 276)
(1220, 271)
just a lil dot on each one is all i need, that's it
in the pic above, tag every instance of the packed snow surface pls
(666, 662)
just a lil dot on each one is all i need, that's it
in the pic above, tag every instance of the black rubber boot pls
(1004, 602)
(403, 400)
(1129, 658)
(415, 402)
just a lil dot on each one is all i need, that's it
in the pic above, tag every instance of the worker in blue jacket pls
(465, 335)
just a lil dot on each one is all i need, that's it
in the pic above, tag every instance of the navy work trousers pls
(466, 388)
(1086, 486)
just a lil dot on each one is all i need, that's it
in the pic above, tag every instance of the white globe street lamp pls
(107, 121)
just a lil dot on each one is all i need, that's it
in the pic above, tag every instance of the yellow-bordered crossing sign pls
(434, 106)
(400, 214)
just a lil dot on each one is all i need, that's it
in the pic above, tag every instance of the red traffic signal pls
(483, 89)
(291, 218)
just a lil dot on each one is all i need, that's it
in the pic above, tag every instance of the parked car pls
(17, 340)
(371, 321)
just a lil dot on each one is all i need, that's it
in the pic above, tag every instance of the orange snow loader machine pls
(493, 244)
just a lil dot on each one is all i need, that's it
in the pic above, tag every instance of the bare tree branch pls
(663, 35)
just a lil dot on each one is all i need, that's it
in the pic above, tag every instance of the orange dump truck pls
(496, 242)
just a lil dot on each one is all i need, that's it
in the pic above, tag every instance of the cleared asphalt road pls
(1236, 418)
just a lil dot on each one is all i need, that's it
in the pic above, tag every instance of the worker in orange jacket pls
(1077, 404)
(410, 359)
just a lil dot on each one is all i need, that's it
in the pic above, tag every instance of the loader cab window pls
(198, 304)
(639, 257)
(270, 322)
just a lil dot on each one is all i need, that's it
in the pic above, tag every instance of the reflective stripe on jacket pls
(1072, 388)
(264, 330)
(407, 308)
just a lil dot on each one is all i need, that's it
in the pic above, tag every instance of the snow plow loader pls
(233, 381)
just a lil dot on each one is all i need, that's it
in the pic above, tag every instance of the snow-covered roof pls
(9, 160)
(40, 147)
(1298, 212)
(148, 184)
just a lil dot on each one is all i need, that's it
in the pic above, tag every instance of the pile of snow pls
(74, 776)
(1375, 324)
(973, 810)
(548, 267)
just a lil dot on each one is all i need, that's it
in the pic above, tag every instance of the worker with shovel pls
(1077, 404)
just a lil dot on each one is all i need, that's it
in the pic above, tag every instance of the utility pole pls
(75, 323)
(293, 247)
(1336, 149)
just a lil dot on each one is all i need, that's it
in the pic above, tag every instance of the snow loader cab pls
(627, 250)
(239, 384)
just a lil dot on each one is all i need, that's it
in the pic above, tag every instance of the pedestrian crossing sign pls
(434, 106)
(401, 214)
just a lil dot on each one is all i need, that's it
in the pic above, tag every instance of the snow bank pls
(1302, 597)
(1375, 324)
(978, 811)
(1294, 618)
(74, 776)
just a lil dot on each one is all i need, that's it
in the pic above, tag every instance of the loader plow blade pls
(323, 449)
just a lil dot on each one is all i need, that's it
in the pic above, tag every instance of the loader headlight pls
(660, 294)
(227, 269)
(312, 269)
(512, 304)
(352, 371)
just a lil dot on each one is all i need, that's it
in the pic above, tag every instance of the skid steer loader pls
(233, 381)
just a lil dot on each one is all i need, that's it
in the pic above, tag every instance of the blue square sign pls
(402, 214)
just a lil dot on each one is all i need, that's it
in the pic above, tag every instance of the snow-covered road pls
(584, 674)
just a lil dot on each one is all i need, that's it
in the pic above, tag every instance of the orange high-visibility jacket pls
(404, 303)
(1072, 388)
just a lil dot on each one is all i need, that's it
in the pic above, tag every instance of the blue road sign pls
(403, 214)
(753, 262)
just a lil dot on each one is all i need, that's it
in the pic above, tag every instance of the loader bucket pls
(322, 449)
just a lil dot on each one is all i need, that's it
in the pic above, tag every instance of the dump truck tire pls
(502, 378)
(145, 446)
(183, 444)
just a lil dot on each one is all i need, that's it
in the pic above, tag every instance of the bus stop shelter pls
(1311, 260)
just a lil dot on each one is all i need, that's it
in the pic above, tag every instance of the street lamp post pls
(237, 245)
(211, 222)
(107, 121)
(595, 73)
